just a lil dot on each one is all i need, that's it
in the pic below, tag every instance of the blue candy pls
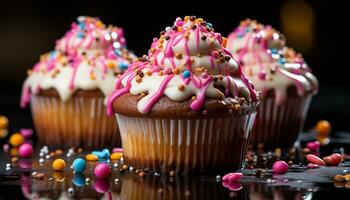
(123, 65)
(79, 165)
(81, 26)
(281, 61)
(210, 25)
(186, 74)
(102, 155)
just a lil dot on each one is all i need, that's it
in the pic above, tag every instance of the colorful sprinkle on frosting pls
(88, 57)
(188, 59)
(268, 62)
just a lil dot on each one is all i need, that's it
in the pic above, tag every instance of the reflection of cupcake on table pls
(281, 74)
(186, 107)
(67, 88)
(179, 187)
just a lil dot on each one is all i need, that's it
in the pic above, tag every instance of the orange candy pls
(16, 140)
(323, 128)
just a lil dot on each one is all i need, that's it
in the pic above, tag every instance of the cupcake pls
(186, 107)
(68, 88)
(284, 79)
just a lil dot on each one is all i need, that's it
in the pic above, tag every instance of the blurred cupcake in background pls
(186, 107)
(68, 88)
(284, 79)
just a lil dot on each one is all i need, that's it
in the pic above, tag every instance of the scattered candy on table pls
(312, 166)
(4, 122)
(117, 150)
(91, 157)
(59, 165)
(313, 146)
(102, 170)
(25, 150)
(116, 156)
(102, 155)
(79, 165)
(280, 167)
(232, 177)
(316, 160)
(333, 160)
(16, 140)
(26, 132)
(6, 147)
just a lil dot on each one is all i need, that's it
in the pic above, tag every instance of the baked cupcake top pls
(88, 57)
(187, 63)
(268, 62)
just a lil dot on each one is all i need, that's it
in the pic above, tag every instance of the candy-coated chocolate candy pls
(25, 150)
(323, 128)
(26, 132)
(117, 150)
(313, 146)
(104, 154)
(316, 160)
(59, 165)
(79, 165)
(116, 156)
(16, 140)
(232, 177)
(4, 122)
(102, 170)
(280, 167)
(91, 157)
(333, 159)
(312, 165)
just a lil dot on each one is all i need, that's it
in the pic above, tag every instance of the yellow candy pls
(116, 156)
(16, 139)
(91, 157)
(4, 122)
(58, 165)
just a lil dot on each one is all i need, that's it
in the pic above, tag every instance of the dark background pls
(318, 29)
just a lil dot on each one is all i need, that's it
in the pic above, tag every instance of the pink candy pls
(6, 147)
(117, 150)
(280, 167)
(26, 132)
(315, 160)
(102, 170)
(313, 146)
(312, 166)
(333, 159)
(25, 150)
(232, 177)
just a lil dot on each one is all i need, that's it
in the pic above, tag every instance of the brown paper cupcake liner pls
(79, 122)
(279, 125)
(185, 145)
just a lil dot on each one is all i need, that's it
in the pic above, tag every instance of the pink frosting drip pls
(183, 30)
(88, 34)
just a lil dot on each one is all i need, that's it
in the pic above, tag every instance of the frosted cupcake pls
(285, 80)
(186, 106)
(68, 88)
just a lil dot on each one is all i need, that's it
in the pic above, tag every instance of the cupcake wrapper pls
(81, 121)
(280, 125)
(185, 145)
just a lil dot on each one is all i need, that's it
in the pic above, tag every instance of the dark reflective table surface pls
(30, 179)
